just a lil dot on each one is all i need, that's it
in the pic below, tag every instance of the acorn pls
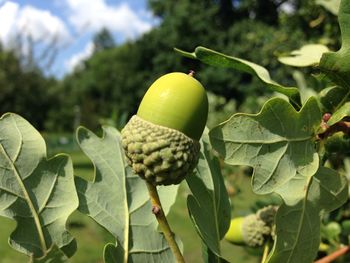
(161, 141)
(252, 230)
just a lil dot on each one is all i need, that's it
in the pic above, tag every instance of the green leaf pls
(331, 5)
(209, 205)
(210, 257)
(37, 193)
(333, 98)
(278, 143)
(305, 92)
(113, 254)
(118, 199)
(217, 59)
(144, 224)
(105, 199)
(307, 55)
(298, 226)
(336, 65)
(341, 113)
(54, 255)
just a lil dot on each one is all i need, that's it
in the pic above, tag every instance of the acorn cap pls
(267, 214)
(254, 231)
(177, 101)
(160, 155)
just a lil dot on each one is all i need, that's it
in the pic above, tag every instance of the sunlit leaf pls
(217, 59)
(143, 223)
(342, 112)
(336, 65)
(39, 194)
(278, 143)
(118, 200)
(105, 199)
(331, 5)
(308, 55)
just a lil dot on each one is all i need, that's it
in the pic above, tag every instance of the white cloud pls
(30, 22)
(287, 8)
(8, 13)
(76, 59)
(42, 24)
(97, 14)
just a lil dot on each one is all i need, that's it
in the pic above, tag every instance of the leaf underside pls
(209, 205)
(298, 226)
(39, 194)
(54, 255)
(118, 200)
(217, 59)
(308, 55)
(278, 143)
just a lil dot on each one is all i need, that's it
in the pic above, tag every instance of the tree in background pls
(25, 90)
(103, 40)
(111, 82)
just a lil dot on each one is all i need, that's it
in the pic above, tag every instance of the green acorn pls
(249, 231)
(161, 141)
(252, 230)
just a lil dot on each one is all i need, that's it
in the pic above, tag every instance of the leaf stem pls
(163, 223)
(266, 252)
(331, 257)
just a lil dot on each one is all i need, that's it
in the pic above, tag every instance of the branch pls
(157, 210)
(336, 254)
(343, 126)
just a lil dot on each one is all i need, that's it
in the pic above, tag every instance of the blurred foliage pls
(107, 87)
(25, 90)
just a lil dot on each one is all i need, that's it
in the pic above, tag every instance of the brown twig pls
(342, 126)
(191, 73)
(336, 254)
(157, 210)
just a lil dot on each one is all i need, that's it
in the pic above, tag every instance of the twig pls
(157, 210)
(191, 73)
(343, 126)
(336, 254)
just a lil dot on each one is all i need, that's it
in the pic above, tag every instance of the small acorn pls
(161, 141)
(254, 229)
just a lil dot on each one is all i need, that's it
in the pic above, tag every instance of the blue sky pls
(71, 24)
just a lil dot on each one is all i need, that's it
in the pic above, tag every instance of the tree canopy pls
(110, 84)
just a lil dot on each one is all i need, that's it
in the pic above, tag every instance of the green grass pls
(91, 237)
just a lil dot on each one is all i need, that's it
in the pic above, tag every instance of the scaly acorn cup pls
(161, 141)
(252, 230)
